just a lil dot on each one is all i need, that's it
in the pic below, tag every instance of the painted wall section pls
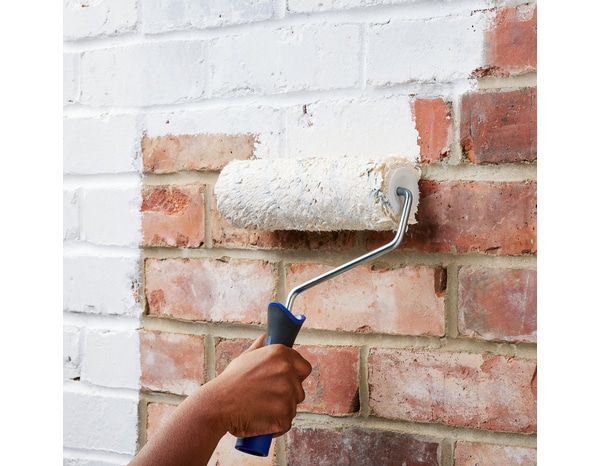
(160, 292)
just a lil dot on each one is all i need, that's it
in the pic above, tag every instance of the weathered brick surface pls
(172, 153)
(173, 216)
(224, 234)
(459, 389)
(434, 124)
(498, 127)
(226, 290)
(331, 388)
(360, 447)
(477, 454)
(157, 415)
(171, 362)
(511, 43)
(463, 216)
(408, 300)
(498, 304)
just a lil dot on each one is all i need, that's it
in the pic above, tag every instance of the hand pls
(260, 390)
(257, 394)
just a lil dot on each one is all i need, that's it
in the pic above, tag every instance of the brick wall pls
(427, 356)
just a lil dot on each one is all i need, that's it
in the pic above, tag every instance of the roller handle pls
(282, 328)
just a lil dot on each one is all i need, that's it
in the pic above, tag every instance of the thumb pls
(258, 343)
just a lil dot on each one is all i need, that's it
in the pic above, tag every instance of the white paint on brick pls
(71, 352)
(70, 78)
(101, 285)
(88, 18)
(264, 121)
(356, 127)
(143, 74)
(436, 50)
(105, 144)
(161, 16)
(70, 215)
(111, 359)
(100, 421)
(286, 59)
(110, 216)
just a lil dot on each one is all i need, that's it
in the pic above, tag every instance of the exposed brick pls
(354, 447)
(434, 125)
(213, 290)
(172, 153)
(157, 415)
(476, 454)
(227, 350)
(171, 362)
(498, 304)
(511, 43)
(224, 234)
(460, 389)
(173, 216)
(406, 300)
(463, 216)
(331, 388)
(499, 126)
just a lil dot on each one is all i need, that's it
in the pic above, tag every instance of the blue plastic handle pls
(282, 328)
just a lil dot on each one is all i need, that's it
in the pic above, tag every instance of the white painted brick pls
(108, 144)
(111, 359)
(71, 350)
(436, 50)
(85, 18)
(288, 59)
(99, 422)
(161, 16)
(145, 74)
(101, 285)
(70, 78)
(97, 459)
(263, 121)
(356, 127)
(112, 216)
(70, 215)
(438, 6)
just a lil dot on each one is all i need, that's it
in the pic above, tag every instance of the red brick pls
(171, 362)
(331, 388)
(407, 300)
(459, 389)
(498, 304)
(157, 415)
(173, 153)
(173, 216)
(227, 350)
(464, 216)
(212, 290)
(434, 125)
(499, 127)
(225, 235)
(511, 43)
(475, 454)
(356, 446)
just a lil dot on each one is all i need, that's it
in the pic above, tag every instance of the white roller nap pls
(316, 194)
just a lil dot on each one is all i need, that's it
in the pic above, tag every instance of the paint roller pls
(316, 194)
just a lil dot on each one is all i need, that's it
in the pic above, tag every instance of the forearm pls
(189, 436)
